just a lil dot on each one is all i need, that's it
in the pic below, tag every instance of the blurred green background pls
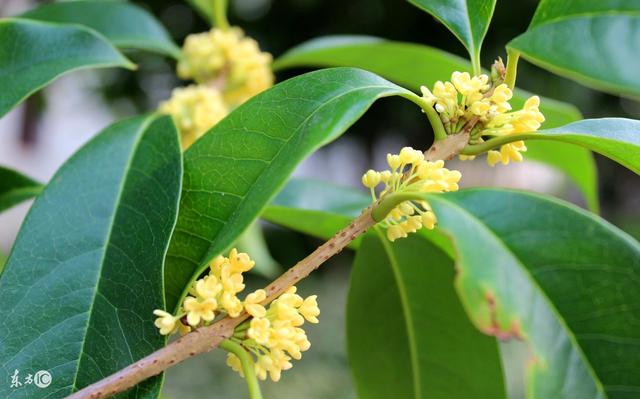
(278, 25)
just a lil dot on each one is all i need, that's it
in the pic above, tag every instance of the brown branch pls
(205, 339)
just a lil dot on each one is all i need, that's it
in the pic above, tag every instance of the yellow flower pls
(229, 59)
(252, 303)
(410, 172)
(208, 287)
(508, 152)
(234, 362)
(195, 110)
(275, 338)
(197, 310)
(240, 262)
(165, 322)
(371, 178)
(259, 330)
(309, 309)
(231, 304)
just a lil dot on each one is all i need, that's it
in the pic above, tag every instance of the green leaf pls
(468, 20)
(596, 43)
(615, 138)
(3, 260)
(32, 54)
(558, 277)
(15, 188)
(321, 209)
(408, 335)
(85, 273)
(252, 241)
(413, 65)
(316, 208)
(124, 24)
(233, 171)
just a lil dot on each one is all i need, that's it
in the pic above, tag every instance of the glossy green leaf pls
(558, 277)
(85, 273)
(321, 209)
(413, 65)
(124, 24)
(316, 208)
(596, 43)
(467, 19)
(33, 53)
(408, 335)
(233, 171)
(15, 188)
(615, 138)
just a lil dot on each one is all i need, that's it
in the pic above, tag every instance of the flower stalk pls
(247, 366)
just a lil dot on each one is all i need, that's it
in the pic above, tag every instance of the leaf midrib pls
(139, 135)
(226, 225)
(534, 283)
(413, 347)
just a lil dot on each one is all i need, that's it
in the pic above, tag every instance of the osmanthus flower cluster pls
(273, 335)
(228, 69)
(410, 172)
(483, 106)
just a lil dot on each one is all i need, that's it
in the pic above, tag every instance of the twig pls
(205, 339)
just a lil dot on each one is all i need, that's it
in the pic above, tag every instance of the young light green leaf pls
(468, 20)
(33, 53)
(408, 335)
(124, 24)
(562, 279)
(15, 188)
(596, 43)
(233, 171)
(85, 273)
(413, 65)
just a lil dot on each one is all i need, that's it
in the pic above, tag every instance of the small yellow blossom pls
(234, 362)
(228, 59)
(276, 337)
(195, 109)
(252, 303)
(471, 100)
(165, 322)
(410, 172)
(199, 310)
(215, 293)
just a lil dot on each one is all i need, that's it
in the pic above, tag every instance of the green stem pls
(220, 14)
(434, 119)
(512, 68)
(388, 202)
(476, 149)
(247, 366)
(476, 65)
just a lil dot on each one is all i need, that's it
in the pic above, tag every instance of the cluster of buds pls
(274, 336)
(483, 107)
(210, 295)
(410, 172)
(228, 69)
(228, 59)
(195, 109)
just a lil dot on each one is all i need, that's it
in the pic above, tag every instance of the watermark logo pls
(41, 379)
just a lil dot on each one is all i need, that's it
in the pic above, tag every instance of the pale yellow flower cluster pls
(466, 98)
(410, 172)
(213, 294)
(228, 58)
(228, 68)
(274, 336)
(195, 109)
